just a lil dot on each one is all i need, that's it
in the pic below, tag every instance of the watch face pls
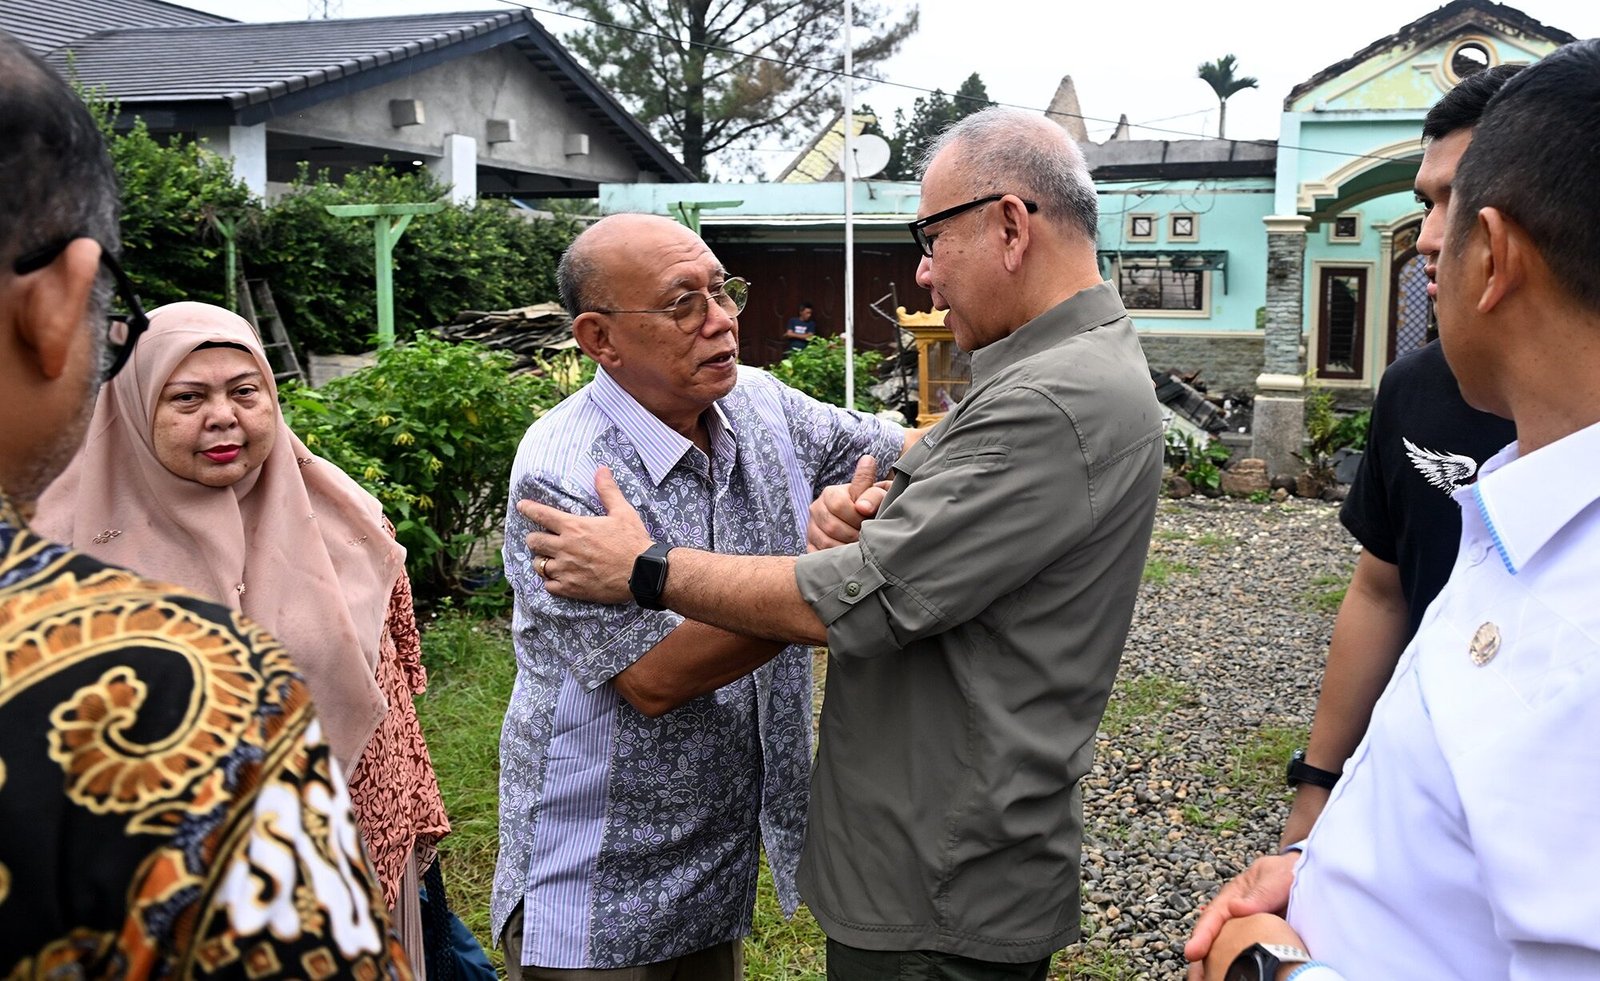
(1251, 965)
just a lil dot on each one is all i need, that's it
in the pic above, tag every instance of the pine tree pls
(685, 66)
(931, 115)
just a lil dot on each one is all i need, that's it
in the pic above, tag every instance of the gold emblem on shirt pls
(1485, 644)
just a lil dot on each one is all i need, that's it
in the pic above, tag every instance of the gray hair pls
(59, 182)
(1011, 151)
(574, 273)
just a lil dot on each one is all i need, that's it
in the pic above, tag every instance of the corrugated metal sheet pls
(244, 64)
(44, 25)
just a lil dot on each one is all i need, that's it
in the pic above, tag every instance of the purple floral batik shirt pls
(628, 839)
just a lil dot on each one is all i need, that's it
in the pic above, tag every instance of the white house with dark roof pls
(489, 101)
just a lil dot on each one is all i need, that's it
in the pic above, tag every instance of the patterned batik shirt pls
(630, 839)
(167, 804)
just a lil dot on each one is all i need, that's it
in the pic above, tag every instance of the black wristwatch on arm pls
(1302, 772)
(649, 577)
(1260, 962)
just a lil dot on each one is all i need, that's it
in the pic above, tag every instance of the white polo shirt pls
(1461, 841)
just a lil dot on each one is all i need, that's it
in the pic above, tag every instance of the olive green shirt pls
(974, 632)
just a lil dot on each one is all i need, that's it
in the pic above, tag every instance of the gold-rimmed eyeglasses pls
(123, 327)
(689, 310)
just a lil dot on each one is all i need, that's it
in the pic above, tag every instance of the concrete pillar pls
(457, 166)
(245, 147)
(1278, 424)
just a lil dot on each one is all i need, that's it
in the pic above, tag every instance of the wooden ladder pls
(257, 306)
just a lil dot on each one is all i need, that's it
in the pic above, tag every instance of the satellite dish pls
(871, 155)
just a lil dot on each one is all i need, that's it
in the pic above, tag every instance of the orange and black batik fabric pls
(168, 807)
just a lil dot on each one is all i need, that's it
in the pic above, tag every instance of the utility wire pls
(838, 74)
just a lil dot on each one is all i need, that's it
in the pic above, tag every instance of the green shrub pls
(485, 256)
(818, 370)
(1328, 432)
(1200, 463)
(169, 192)
(431, 431)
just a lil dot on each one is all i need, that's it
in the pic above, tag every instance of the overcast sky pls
(1137, 58)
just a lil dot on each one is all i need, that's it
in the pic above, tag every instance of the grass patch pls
(1326, 592)
(1214, 541)
(470, 671)
(779, 949)
(1140, 698)
(1258, 761)
(1169, 535)
(1076, 964)
(1159, 571)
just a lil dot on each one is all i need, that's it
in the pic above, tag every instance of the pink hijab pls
(296, 544)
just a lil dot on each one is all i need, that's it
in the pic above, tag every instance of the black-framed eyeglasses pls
(689, 310)
(122, 327)
(919, 227)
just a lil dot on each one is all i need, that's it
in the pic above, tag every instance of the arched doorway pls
(1409, 310)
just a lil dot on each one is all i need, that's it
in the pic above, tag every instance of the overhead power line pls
(874, 80)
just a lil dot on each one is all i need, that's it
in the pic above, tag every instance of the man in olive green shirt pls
(976, 625)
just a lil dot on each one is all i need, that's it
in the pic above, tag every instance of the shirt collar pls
(660, 447)
(1526, 500)
(1093, 307)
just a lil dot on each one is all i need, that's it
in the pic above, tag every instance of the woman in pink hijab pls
(189, 475)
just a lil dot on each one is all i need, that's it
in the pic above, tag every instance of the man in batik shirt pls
(645, 756)
(167, 804)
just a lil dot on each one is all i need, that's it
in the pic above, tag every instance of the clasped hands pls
(590, 557)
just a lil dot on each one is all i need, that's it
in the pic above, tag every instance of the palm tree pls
(1219, 75)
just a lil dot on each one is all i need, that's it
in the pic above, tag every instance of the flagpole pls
(847, 165)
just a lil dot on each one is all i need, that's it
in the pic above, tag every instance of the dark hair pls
(1535, 158)
(57, 180)
(1463, 106)
(806, 305)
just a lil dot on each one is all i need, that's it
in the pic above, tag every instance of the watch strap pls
(1302, 772)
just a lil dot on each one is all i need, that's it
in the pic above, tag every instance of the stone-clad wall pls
(1226, 364)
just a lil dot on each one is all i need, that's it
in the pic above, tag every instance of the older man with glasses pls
(646, 756)
(167, 804)
(975, 624)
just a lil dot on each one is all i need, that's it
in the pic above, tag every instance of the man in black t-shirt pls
(1423, 443)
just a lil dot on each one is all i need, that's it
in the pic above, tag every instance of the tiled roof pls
(44, 25)
(245, 64)
(255, 71)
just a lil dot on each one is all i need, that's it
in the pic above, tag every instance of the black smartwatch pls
(1260, 962)
(1302, 772)
(650, 576)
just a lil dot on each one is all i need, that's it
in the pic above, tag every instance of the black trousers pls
(853, 964)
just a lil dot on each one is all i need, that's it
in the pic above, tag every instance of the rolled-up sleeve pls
(975, 513)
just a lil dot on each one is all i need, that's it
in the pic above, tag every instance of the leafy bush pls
(431, 431)
(1199, 462)
(818, 370)
(481, 257)
(169, 194)
(1327, 431)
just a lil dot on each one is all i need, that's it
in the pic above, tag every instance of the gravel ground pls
(1217, 686)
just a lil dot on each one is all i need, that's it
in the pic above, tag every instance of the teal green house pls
(1251, 264)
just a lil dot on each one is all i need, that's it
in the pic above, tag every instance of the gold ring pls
(544, 562)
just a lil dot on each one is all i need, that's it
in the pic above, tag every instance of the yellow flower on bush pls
(385, 419)
(371, 473)
(424, 502)
(404, 439)
(434, 464)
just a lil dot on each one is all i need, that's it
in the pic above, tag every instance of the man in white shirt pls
(1455, 843)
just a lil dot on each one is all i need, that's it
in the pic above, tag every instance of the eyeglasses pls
(122, 329)
(689, 310)
(918, 227)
